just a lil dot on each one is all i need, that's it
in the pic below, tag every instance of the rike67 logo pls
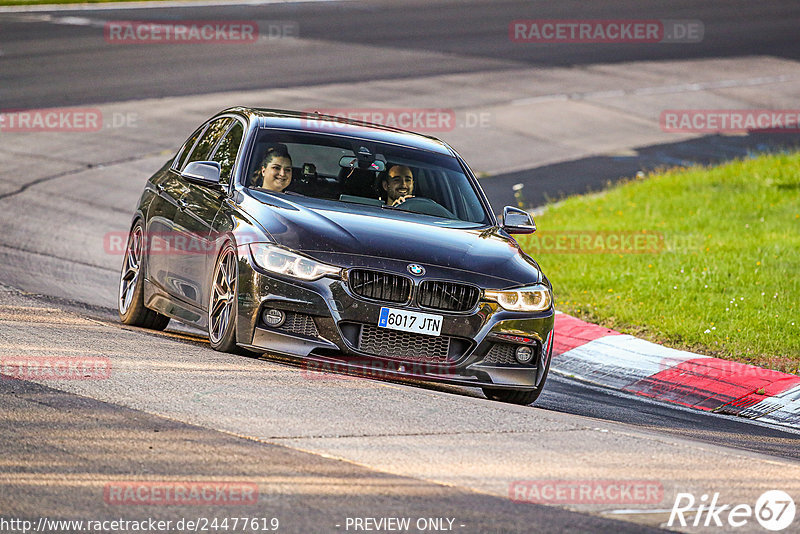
(774, 510)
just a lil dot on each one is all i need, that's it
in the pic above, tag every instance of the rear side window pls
(207, 142)
(226, 152)
(187, 147)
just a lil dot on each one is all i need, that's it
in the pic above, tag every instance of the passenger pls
(398, 182)
(275, 172)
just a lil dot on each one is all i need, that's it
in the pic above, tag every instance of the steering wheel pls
(425, 206)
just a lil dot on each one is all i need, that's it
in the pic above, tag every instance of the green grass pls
(726, 282)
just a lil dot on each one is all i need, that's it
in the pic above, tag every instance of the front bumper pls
(329, 328)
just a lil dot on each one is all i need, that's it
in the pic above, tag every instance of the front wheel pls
(130, 298)
(222, 306)
(513, 396)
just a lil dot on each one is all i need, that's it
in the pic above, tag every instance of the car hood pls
(335, 231)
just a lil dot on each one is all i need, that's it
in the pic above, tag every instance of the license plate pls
(409, 321)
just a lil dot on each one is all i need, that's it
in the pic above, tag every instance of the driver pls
(398, 182)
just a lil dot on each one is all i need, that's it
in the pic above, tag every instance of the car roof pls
(307, 121)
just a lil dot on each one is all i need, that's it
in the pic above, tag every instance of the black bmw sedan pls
(349, 245)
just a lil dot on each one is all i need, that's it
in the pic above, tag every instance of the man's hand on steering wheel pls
(402, 199)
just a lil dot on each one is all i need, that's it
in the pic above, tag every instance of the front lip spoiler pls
(341, 365)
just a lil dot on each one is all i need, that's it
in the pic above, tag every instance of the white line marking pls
(74, 21)
(631, 511)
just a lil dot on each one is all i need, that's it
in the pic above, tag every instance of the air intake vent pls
(403, 345)
(300, 324)
(447, 296)
(380, 286)
(503, 353)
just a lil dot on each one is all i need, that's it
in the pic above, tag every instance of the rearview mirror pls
(350, 162)
(517, 221)
(204, 172)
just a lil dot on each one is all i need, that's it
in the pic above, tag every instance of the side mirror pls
(203, 172)
(517, 221)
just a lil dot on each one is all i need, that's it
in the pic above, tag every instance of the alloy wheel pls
(223, 293)
(131, 270)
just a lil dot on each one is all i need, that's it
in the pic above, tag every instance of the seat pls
(304, 180)
(358, 182)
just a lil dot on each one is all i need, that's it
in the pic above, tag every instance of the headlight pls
(526, 299)
(281, 260)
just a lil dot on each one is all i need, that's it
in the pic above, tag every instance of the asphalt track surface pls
(44, 64)
(68, 64)
(307, 493)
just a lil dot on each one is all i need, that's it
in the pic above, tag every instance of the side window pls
(212, 134)
(226, 152)
(187, 147)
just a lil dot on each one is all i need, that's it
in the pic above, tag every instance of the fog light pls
(524, 354)
(273, 317)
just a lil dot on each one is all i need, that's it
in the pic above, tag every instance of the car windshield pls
(363, 175)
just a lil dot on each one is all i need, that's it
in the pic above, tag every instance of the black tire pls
(130, 297)
(517, 396)
(222, 307)
(513, 396)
